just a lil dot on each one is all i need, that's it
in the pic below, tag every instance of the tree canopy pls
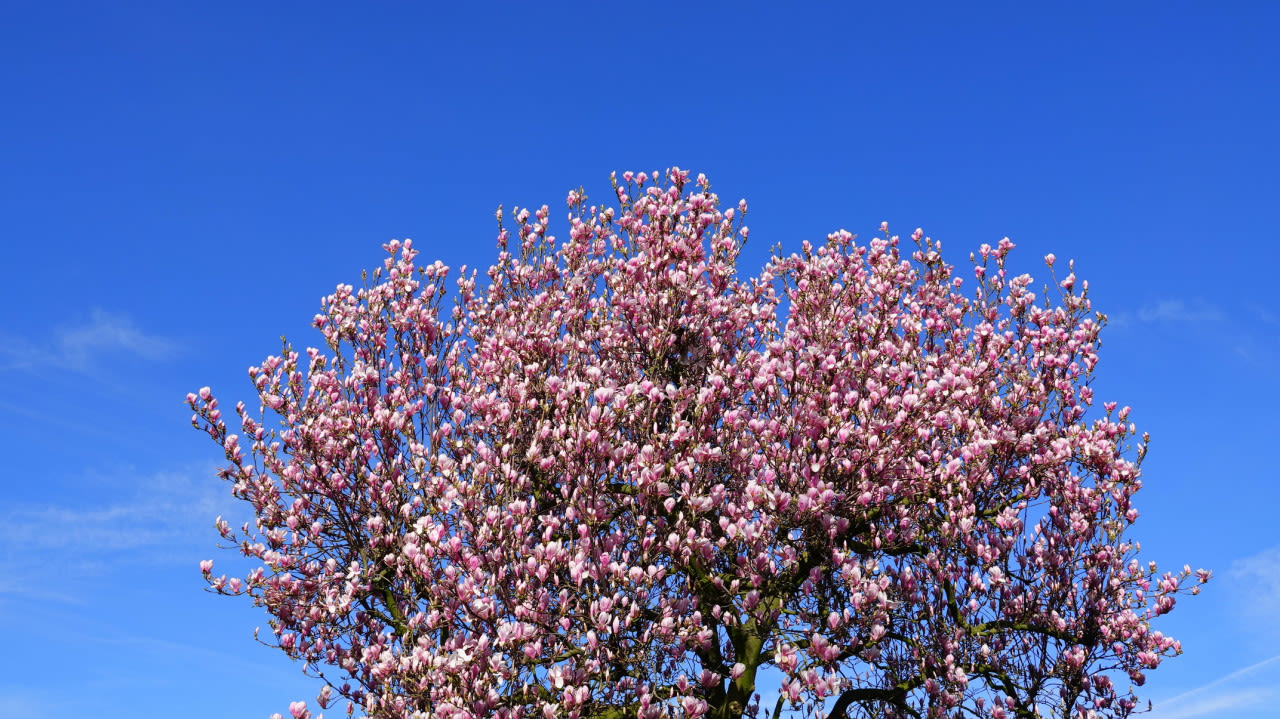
(620, 479)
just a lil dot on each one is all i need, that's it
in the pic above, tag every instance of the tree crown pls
(622, 479)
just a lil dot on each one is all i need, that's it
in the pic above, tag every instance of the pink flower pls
(447, 501)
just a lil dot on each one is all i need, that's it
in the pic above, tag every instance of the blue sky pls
(180, 183)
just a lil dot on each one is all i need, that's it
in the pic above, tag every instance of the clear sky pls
(181, 182)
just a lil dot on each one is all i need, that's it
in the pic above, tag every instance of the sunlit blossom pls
(614, 473)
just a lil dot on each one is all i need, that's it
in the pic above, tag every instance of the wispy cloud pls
(1259, 348)
(1248, 688)
(16, 584)
(1255, 582)
(79, 347)
(1248, 331)
(1225, 704)
(1168, 311)
(1263, 314)
(1256, 353)
(1258, 578)
(80, 427)
(1178, 311)
(109, 529)
(27, 704)
(155, 510)
(106, 332)
(158, 519)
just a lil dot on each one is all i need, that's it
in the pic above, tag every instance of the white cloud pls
(106, 332)
(15, 583)
(60, 419)
(1264, 315)
(1177, 311)
(1257, 578)
(26, 704)
(1247, 331)
(1256, 342)
(1254, 583)
(1252, 687)
(1253, 353)
(1169, 311)
(163, 518)
(81, 346)
(1226, 703)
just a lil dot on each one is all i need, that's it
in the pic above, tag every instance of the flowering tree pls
(620, 480)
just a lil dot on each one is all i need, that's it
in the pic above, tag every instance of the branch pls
(896, 696)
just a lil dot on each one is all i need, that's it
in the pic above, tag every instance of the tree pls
(621, 480)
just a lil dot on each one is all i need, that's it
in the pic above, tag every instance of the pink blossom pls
(615, 462)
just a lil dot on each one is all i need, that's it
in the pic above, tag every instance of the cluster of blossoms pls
(620, 480)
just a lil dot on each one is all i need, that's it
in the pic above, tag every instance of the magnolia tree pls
(620, 479)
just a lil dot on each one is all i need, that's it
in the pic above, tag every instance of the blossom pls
(618, 464)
